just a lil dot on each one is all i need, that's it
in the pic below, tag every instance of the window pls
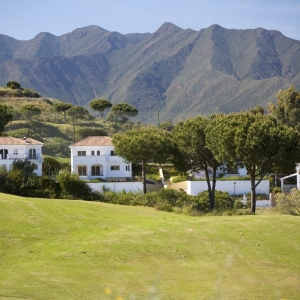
(32, 154)
(115, 168)
(93, 153)
(81, 153)
(112, 153)
(97, 170)
(82, 170)
(15, 151)
(127, 168)
(98, 152)
(3, 153)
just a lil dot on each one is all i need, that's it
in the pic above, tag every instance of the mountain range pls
(175, 72)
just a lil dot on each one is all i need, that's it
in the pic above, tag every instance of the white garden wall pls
(117, 186)
(237, 187)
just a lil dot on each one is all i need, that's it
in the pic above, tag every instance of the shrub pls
(170, 200)
(148, 199)
(23, 182)
(47, 188)
(276, 190)
(288, 203)
(262, 197)
(222, 201)
(13, 85)
(72, 187)
(201, 202)
(25, 166)
(173, 197)
(164, 206)
(153, 176)
(50, 166)
(238, 204)
(29, 93)
(179, 178)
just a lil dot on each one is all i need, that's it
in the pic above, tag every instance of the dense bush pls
(29, 93)
(24, 183)
(288, 203)
(50, 166)
(13, 85)
(72, 187)
(276, 190)
(222, 201)
(168, 200)
(179, 178)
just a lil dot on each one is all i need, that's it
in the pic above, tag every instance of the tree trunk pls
(211, 197)
(144, 176)
(214, 181)
(253, 194)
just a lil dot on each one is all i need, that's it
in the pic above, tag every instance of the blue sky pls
(24, 19)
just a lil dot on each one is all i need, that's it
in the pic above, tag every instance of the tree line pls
(263, 143)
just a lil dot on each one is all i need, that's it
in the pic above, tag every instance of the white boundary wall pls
(117, 186)
(237, 187)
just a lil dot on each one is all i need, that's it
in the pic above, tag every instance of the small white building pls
(20, 149)
(94, 157)
(238, 171)
(288, 187)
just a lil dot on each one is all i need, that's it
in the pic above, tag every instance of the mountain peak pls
(166, 27)
(177, 71)
(84, 31)
(43, 35)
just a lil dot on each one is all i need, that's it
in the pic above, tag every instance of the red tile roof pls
(8, 140)
(94, 141)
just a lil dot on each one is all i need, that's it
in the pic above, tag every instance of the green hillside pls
(50, 126)
(57, 249)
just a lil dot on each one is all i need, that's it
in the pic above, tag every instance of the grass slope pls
(57, 249)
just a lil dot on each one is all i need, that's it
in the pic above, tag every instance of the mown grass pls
(63, 249)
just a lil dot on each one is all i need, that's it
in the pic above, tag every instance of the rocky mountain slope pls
(178, 72)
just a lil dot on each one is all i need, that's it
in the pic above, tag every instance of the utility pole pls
(158, 117)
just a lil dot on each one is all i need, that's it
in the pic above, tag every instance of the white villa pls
(94, 157)
(20, 149)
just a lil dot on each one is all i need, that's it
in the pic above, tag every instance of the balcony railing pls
(20, 156)
(88, 155)
(16, 156)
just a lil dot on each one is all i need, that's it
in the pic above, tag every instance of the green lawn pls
(63, 249)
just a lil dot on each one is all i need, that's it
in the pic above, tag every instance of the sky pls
(24, 19)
